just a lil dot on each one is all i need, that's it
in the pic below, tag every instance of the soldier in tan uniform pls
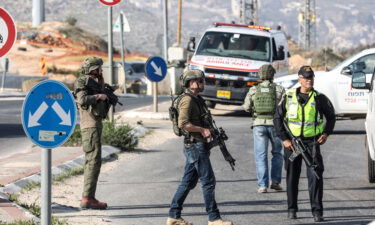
(198, 164)
(93, 108)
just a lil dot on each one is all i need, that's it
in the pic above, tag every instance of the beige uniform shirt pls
(189, 112)
(84, 100)
(249, 103)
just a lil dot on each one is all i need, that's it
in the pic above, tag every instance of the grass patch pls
(35, 210)
(67, 174)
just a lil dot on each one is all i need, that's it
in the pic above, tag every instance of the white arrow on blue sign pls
(49, 114)
(156, 68)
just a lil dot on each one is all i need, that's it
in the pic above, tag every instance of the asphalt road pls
(12, 137)
(139, 190)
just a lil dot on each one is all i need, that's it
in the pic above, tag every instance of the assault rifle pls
(301, 149)
(93, 86)
(218, 138)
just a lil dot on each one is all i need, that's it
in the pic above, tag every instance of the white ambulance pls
(336, 84)
(359, 81)
(230, 55)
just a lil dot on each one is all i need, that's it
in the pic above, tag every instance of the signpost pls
(122, 25)
(7, 32)
(156, 70)
(48, 119)
(110, 3)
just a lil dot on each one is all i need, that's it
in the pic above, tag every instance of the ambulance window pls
(235, 45)
(365, 64)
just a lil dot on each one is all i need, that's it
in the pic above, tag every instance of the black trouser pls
(293, 171)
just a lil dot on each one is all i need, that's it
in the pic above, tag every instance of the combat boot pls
(276, 186)
(178, 221)
(220, 222)
(92, 203)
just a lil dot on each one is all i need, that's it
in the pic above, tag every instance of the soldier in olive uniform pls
(93, 108)
(198, 165)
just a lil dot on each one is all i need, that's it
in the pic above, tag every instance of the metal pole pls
(38, 12)
(46, 187)
(3, 81)
(179, 22)
(122, 48)
(110, 56)
(6, 68)
(155, 97)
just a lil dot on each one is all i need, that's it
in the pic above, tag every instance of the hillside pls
(63, 46)
(340, 25)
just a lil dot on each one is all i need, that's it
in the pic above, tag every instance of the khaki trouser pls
(93, 159)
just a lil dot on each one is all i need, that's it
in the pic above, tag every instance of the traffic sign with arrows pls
(49, 114)
(156, 69)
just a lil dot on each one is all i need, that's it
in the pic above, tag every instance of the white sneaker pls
(262, 190)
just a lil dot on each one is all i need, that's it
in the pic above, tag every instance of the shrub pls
(71, 20)
(118, 136)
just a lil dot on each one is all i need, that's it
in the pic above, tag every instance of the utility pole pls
(38, 12)
(248, 11)
(179, 22)
(307, 25)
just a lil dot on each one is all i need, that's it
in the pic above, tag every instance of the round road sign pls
(7, 32)
(110, 2)
(49, 114)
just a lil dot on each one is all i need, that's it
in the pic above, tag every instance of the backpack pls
(265, 101)
(173, 115)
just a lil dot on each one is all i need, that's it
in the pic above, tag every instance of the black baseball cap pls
(306, 72)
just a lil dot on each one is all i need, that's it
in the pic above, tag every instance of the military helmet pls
(90, 64)
(190, 75)
(266, 72)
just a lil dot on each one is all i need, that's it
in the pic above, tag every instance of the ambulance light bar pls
(217, 24)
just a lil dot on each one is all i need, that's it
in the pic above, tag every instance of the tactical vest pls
(303, 120)
(101, 108)
(265, 101)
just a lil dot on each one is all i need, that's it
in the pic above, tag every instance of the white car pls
(336, 84)
(359, 81)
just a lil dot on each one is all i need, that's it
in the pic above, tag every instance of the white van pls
(359, 82)
(230, 55)
(336, 84)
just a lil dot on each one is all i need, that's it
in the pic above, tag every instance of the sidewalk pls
(23, 169)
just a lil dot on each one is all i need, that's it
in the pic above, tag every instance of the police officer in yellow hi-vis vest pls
(302, 109)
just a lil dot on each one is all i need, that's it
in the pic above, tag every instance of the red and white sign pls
(110, 2)
(7, 32)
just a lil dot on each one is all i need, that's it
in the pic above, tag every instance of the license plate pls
(223, 94)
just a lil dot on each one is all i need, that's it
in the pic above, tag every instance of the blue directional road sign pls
(156, 68)
(49, 114)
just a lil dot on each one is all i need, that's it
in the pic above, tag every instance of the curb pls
(17, 186)
(147, 115)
